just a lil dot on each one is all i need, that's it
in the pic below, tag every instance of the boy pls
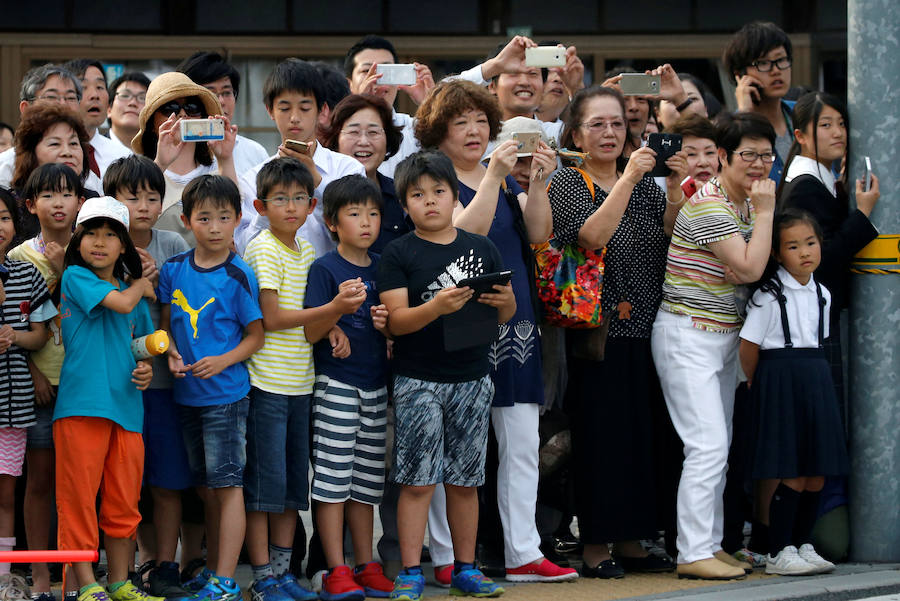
(211, 311)
(442, 398)
(137, 182)
(350, 397)
(281, 378)
(294, 93)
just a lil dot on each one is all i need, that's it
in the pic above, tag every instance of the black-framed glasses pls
(748, 156)
(763, 65)
(126, 96)
(191, 108)
(282, 201)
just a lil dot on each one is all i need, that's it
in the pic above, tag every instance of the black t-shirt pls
(424, 268)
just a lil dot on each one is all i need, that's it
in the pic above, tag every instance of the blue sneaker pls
(287, 582)
(267, 589)
(219, 588)
(408, 587)
(199, 581)
(472, 583)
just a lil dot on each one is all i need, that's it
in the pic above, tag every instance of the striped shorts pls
(348, 442)
(12, 450)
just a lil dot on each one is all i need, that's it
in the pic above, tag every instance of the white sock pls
(6, 544)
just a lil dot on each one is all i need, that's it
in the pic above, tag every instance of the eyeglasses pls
(224, 94)
(68, 98)
(191, 108)
(282, 201)
(373, 133)
(749, 156)
(126, 96)
(763, 65)
(599, 126)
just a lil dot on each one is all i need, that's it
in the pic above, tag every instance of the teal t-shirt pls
(95, 380)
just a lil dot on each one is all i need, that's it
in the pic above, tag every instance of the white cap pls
(104, 206)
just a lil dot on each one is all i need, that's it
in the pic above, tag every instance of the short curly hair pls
(349, 106)
(35, 122)
(447, 101)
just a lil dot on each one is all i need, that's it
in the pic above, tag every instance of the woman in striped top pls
(722, 236)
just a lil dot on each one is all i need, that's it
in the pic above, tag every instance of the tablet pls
(485, 282)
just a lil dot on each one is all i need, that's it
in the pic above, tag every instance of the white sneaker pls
(808, 553)
(14, 588)
(316, 581)
(789, 563)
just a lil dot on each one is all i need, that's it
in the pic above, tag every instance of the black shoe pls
(607, 569)
(164, 581)
(650, 564)
(567, 544)
(191, 568)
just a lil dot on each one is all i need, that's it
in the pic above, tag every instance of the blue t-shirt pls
(209, 310)
(95, 380)
(366, 367)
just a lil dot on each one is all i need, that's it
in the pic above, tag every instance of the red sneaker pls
(373, 580)
(338, 585)
(442, 576)
(543, 571)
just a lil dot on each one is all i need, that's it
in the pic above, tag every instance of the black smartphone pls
(485, 282)
(665, 145)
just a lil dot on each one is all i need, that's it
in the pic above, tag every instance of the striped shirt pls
(695, 278)
(284, 364)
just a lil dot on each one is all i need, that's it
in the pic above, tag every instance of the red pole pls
(48, 556)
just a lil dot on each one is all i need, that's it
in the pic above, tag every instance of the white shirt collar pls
(791, 282)
(802, 165)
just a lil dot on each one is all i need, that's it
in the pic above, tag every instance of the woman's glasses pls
(191, 108)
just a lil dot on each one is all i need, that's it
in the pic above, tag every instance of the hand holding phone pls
(665, 145)
(297, 146)
(545, 56)
(202, 130)
(527, 143)
(867, 177)
(639, 84)
(396, 75)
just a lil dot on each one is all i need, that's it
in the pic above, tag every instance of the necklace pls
(721, 188)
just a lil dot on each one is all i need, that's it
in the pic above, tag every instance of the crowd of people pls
(354, 318)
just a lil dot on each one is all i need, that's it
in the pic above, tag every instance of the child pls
(276, 481)
(52, 193)
(210, 308)
(26, 305)
(799, 437)
(442, 398)
(98, 417)
(350, 398)
(137, 182)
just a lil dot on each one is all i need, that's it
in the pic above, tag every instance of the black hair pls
(218, 189)
(128, 263)
(283, 171)
(336, 86)
(133, 76)
(348, 190)
(294, 75)
(752, 41)
(575, 114)
(432, 163)
(12, 205)
(131, 173)
(79, 66)
(49, 177)
(731, 129)
(806, 112)
(770, 282)
(207, 67)
(372, 42)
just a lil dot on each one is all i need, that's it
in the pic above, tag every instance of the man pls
(336, 89)
(210, 70)
(94, 107)
(129, 93)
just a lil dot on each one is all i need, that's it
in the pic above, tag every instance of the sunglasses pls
(191, 108)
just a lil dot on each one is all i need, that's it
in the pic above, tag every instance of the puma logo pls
(179, 300)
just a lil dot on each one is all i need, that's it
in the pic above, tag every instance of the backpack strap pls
(821, 315)
(587, 180)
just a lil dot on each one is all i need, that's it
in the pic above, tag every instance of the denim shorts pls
(277, 475)
(216, 439)
(40, 435)
(165, 458)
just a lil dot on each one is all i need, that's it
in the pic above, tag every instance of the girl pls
(99, 412)
(24, 307)
(799, 438)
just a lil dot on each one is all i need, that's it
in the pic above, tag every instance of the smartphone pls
(688, 186)
(867, 177)
(481, 284)
(202, 130)
(639, 84)
(528, 143)
(665, 146)
(396, 75)
(297, 146)
(545, 56)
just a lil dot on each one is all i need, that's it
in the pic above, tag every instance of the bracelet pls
(684, 104)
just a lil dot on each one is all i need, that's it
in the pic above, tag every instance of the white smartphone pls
(545, 56)
(867, 178)
(639, 84)
(202, 130)
(396, 75)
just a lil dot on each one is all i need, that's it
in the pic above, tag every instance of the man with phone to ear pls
(759, 58)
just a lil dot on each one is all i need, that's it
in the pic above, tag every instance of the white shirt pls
(247, 153)
(106, 151)
(8, 166)
(408, 145)
(121, 146)
(763, 323)
(330, 165)
(802, 165)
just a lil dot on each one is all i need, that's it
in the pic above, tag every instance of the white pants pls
(698, 370)
(518, 441)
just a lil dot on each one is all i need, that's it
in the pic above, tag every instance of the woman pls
(459, 118)
(362, 127)
(722, 236)
(609, 400)
(50, 133)
(172, 97)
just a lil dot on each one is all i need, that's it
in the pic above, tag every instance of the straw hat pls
(167, 87)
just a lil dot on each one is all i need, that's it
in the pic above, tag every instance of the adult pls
(172, 97)
(695, 92)
(128, 96)
(6, 136)
(759, 58)
(614, 204)
(722, 235)
(336, 89)
(700, 158)
(459, 118)
(210, 70)
(362, 127)
(94, 107)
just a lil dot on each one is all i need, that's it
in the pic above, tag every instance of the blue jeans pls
(216, 438)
